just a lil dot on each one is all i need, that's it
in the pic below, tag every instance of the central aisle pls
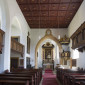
(49, 78)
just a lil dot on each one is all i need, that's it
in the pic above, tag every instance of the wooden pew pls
(14, 77)
(37, 71)
(13, 82)
(76, 80)
(64, 75)
(18, 73)
(24, 75)
(82, 83)
(70, 77)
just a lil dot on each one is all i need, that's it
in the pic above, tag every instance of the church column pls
(7, 45)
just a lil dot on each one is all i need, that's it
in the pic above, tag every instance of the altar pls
(48, 56)
(48, 64)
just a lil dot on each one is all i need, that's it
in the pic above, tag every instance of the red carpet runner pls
(49, 78)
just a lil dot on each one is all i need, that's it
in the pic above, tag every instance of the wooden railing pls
(1, 40)
(16, 46)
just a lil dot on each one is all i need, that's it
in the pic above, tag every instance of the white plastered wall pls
(10, 10)
(4, 26)
(39, 33)
(78, 19)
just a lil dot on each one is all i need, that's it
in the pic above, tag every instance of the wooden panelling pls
(65, 54)
(44, 7)
(63, 6)
(61, 13)
(27, 14)
(76, 0)
(16, 46)
(33, 1)
(53, 7)
(44, 1)
(44, 18)
(47, 10)
(34, 7)
(52, 18)
(65, 1)
(22, 1)
(78, 38)
(44, 13)
(54, 1)
(35, 14)
(24, 8)
(74, 6)
(74, 62)
(53, 13)
(83, 34)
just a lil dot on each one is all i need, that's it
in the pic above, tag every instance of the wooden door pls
(14, 62)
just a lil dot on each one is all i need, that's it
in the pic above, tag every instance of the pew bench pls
(25, 75)
(34, 74)
(13, 82)
(82, 83)
(77, 80)
(38, 73)
(68, 77)
(31, 81)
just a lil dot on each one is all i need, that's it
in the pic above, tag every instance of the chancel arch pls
(48, 54)
(48, 35)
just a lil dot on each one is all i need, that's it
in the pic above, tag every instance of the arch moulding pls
(48, 35)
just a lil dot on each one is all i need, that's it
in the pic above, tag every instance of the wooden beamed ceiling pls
(49, 13)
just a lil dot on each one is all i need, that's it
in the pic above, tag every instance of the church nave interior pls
(42, 42)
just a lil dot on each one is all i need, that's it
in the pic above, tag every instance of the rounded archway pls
(48, 35)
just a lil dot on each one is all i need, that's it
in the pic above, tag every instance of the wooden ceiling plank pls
(53, 13)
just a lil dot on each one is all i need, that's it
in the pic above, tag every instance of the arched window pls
(75, 54)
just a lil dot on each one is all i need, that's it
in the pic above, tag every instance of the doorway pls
(14, 62)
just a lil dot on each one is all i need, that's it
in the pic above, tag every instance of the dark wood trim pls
(1, 31)
(78, 38)
(1, 40)
(16, 46)
(14, 58)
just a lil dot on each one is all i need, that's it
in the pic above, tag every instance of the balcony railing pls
(16, 46)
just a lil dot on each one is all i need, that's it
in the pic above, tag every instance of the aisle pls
(49, 78)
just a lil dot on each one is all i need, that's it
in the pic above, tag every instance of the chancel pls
(42, 42)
